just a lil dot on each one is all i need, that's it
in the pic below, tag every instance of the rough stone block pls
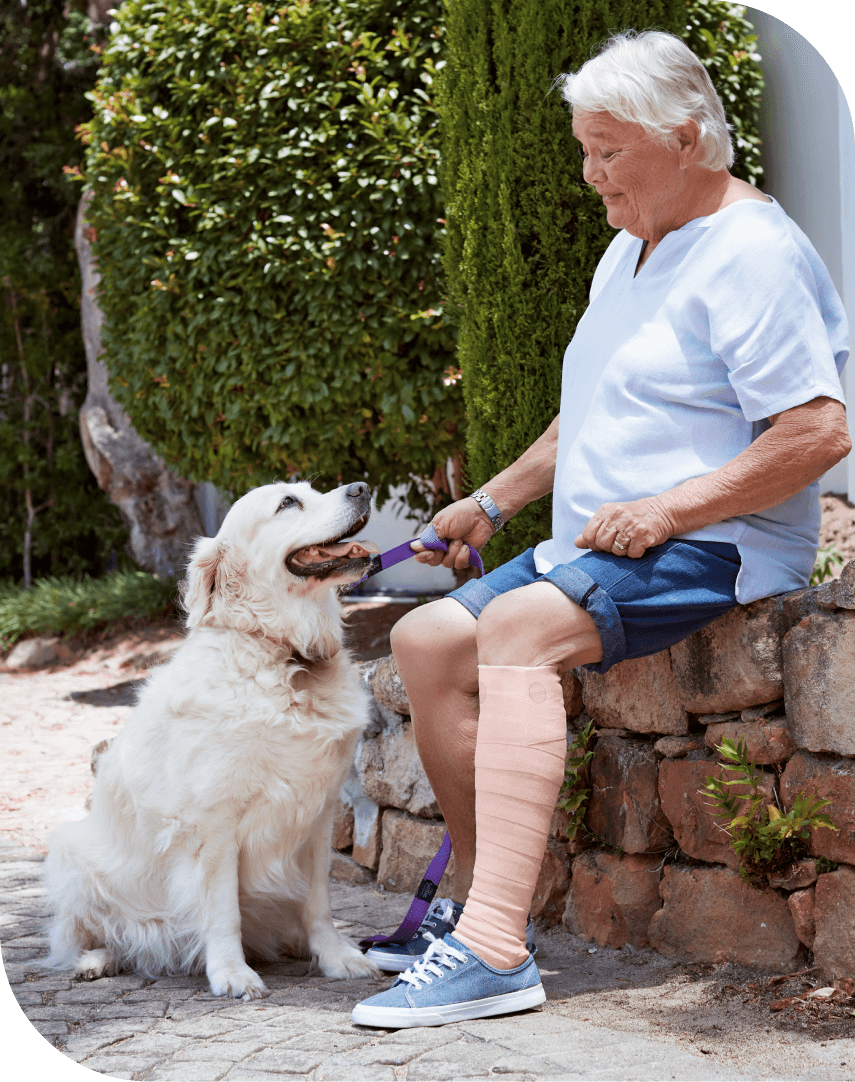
(624, 806)
(802, 874)
(839, 594)
(834, 904)
(678, 747)
(685, 804)
(767, 740)
(386, 685)
(409, 845)
(342, 827)
(34, 654)
(344, 869)
(638, 694)
(833, 780)
(367, 832)
(735, 661)
(612, 898)
(801, 906)
(819, 678)
(389, 769)
(571, 687)
(711, 916)
(550, 894)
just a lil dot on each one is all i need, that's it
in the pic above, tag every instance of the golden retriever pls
(209, 829)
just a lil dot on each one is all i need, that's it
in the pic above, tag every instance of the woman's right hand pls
(462, 524)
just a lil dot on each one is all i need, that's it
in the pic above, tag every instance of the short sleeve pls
(775, 318)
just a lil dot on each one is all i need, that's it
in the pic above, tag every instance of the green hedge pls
(268, 229)
(46, 67)
(524, 232)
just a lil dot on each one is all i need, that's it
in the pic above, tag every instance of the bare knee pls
(536, 625)
(436, 642)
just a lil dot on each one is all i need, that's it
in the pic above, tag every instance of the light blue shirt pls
(673, 372)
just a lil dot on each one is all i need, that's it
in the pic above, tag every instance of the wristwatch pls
(489, 508)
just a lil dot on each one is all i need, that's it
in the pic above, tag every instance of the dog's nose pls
(358, 489)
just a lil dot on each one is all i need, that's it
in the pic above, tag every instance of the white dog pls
(211, 814)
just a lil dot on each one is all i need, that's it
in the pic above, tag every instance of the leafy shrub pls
(524, 232)
(827, 562)
(765, 839)
(46, 67)
(267, 225)
(56, 606)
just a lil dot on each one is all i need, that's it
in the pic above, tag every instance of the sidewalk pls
(610, 1014)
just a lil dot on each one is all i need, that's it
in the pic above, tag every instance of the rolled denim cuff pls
(581, 588)
(474, 595)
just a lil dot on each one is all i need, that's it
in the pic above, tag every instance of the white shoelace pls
(439, 953)
(442, 908)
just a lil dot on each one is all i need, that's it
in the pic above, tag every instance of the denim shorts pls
(639, 606)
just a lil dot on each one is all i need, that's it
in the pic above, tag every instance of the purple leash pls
(430, 540)
(436, 869)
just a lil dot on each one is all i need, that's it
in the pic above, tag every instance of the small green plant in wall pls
(827, 562)
(765, 839)
(573, 798)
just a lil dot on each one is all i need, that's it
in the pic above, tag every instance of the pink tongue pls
(351, 550)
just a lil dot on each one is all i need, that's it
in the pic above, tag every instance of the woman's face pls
(642, 182)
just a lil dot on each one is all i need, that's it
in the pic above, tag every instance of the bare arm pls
(800, 446)
(464, 523)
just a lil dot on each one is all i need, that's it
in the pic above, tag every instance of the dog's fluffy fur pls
(210, 823)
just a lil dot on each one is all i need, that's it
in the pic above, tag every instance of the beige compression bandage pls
(519, 766)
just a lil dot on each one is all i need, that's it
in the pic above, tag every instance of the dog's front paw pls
(237, 981)
(347, 962)
(94, 964)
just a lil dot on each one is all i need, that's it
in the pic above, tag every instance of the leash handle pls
(399, 553)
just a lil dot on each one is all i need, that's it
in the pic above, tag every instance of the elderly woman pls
(700, 403)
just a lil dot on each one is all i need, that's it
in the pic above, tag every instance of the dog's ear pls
(201, 582)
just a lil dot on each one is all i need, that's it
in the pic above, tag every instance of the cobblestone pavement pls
(128, 1027)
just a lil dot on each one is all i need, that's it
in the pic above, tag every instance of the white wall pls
(808, 156)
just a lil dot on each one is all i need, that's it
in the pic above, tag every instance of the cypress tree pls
(523, 233)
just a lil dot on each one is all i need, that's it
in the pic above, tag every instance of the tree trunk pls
(158, 506)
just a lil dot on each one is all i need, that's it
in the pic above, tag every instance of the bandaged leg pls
(519, 766)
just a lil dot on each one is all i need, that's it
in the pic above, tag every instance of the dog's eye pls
(287, 501)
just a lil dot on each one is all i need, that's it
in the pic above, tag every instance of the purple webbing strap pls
(430, 540)
(420, 904)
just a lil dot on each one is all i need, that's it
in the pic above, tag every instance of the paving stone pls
(116, 1065)
(210, 1025)
(64, 1012)
(49, 1028)
(289, 1062)
(188, 1072)
(334, 1070)
(241, 1073)
(97, 1036)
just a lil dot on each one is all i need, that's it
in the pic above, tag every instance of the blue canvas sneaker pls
(442, 917)
(451, 984)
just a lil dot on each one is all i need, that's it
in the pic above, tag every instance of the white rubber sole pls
(409, 1017)
(392, 963)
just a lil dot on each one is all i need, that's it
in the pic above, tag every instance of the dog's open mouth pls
(325, 559)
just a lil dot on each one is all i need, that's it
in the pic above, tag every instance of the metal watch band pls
(489, 508)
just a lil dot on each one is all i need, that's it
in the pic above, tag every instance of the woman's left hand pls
(627, 529)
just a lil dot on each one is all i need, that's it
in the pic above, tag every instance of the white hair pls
(655, 80)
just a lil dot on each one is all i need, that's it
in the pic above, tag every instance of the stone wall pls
(780, 674)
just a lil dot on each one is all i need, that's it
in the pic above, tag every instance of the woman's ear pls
(201, 582)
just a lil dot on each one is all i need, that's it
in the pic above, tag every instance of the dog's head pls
(270, 568)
